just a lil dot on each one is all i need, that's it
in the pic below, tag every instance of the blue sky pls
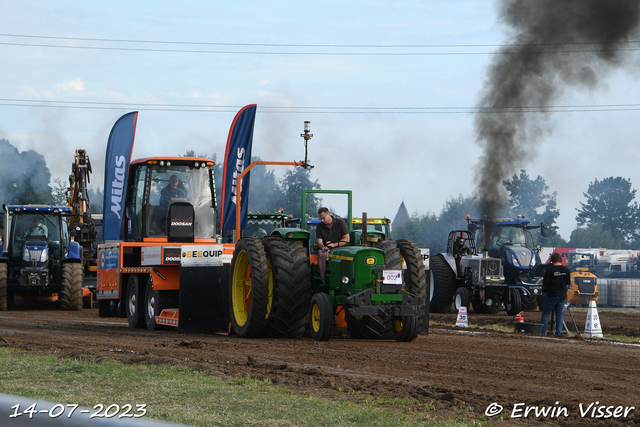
(390, 127)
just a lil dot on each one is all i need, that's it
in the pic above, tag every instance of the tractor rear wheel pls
(443, 284)
(70, 296)
(134, 304)
(405, 328)
(291, 277)
(321, 317)
(250, 288)
(3, 287)
(414, 277)
(355, 324)
(514, 306)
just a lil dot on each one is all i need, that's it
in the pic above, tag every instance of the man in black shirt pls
(331, 233)
(555, 283)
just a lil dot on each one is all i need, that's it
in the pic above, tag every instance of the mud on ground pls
(459, 372)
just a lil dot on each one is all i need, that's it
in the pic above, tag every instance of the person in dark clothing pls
(331, 233)
(555, 283)
(460, 250)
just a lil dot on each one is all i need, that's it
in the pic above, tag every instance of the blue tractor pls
(511, 240)
(39, 258)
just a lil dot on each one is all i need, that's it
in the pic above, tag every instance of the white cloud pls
(71, 86)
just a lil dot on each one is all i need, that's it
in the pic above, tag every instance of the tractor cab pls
(171, 199)
(261, 225)
(37, 241)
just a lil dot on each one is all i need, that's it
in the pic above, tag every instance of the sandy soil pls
(451, 368)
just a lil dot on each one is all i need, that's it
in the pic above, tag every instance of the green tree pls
(610, 207)
(595, 236)
(26, 179)
(528, 197)
(264, 191)
(59, 193)
(531, 199)
(290, 198)
(454, 212)
(425, 230)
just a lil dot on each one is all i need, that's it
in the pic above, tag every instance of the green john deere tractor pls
(276, 288)
(366, 281)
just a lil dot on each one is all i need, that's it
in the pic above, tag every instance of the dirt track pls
(450, 367)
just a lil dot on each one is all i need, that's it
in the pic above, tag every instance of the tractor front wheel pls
(462, 299)
(71, 294)
(251, 287)
(321, 317)
(514, 306)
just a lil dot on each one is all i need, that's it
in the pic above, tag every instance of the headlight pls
(26, 256)
(514, 260)
(533, 262)
(344, 280)
(44, 256)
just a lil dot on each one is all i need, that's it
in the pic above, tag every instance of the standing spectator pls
(555, 283)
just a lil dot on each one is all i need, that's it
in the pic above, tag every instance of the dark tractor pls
(470, 278)
(39, 258)
(511, 240)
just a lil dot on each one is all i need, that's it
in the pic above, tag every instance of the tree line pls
(608, 218)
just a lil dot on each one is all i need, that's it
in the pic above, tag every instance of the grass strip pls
(183, 395)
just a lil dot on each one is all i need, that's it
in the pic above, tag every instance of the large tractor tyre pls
(462, 298)
(321, 317)
(514, 306)
(3, 287)
(529, 302)
(134, 303)
(250, 288)
(414, 277)
(70, 296)
(291, 277)
(355, 325)
(405, 328)
(443, 284)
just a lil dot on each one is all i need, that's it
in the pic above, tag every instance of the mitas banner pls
(236, 159)
(116, 170)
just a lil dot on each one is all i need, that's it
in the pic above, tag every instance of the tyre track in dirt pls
(449, 368)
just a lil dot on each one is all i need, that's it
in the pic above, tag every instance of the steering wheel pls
(464, 251)
(502, 241)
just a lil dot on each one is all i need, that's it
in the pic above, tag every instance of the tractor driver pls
(171, 190)
(460, 250)
(38, 228)
(331, 233)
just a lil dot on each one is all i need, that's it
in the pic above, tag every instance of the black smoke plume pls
(554, 45)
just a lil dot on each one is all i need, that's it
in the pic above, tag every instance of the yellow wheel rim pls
(315, 317)
(241, 289)
(270, 301)
(399, 323)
